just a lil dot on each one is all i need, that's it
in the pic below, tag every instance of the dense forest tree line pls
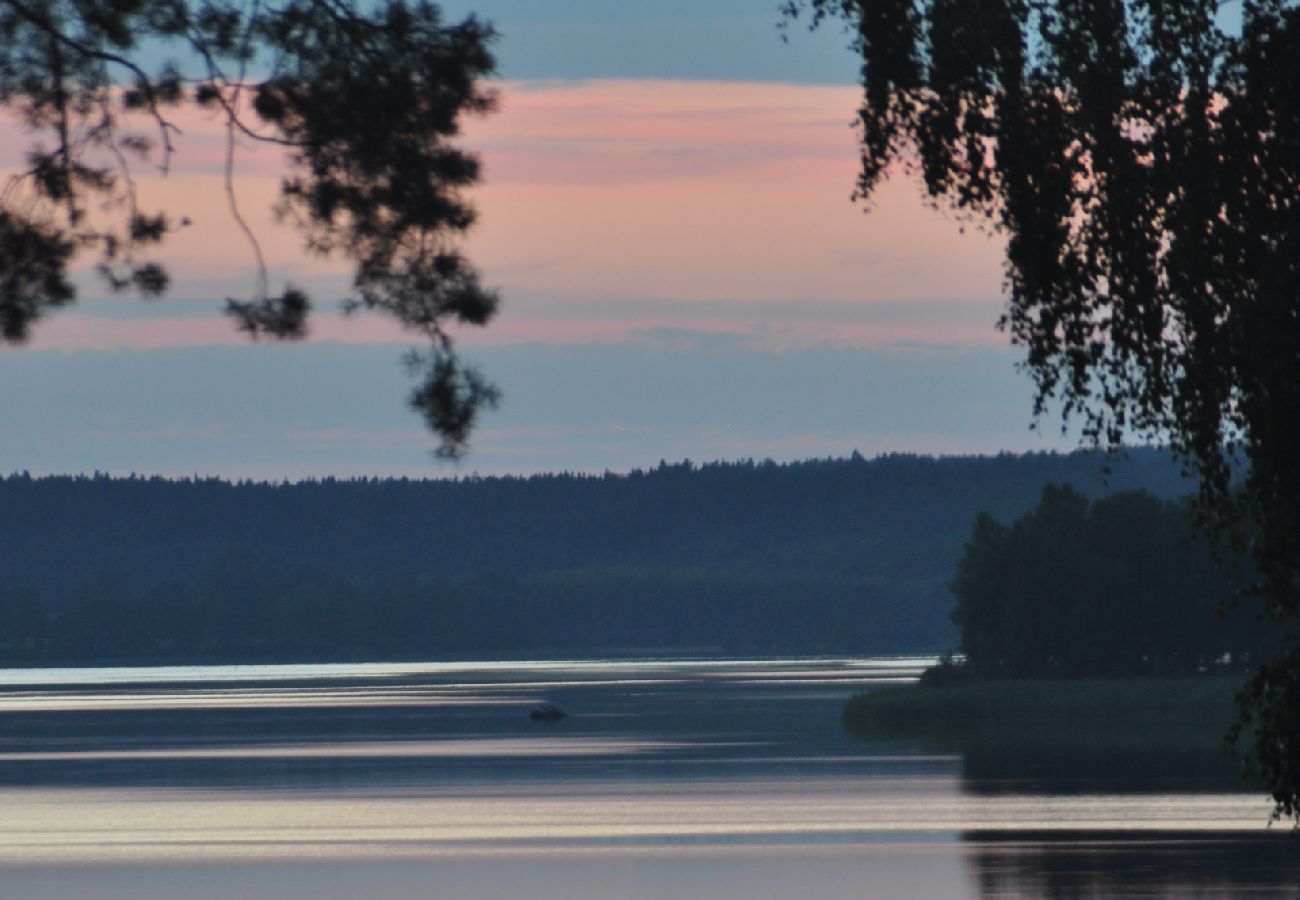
(246, 609)
(825, 556)
(1116, 586)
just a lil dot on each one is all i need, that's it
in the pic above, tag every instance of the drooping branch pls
(366, 102)
(1143, 164)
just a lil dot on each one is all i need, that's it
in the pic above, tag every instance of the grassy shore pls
(1193, 711)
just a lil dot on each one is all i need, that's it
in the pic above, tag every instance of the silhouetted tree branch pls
(366, 100)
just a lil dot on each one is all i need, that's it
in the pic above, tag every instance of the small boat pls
(547, 712)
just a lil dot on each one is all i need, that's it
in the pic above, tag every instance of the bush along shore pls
(1188, 711)
(1067, 735)
(1098, 639)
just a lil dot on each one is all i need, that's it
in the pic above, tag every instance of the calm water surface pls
(710, 779)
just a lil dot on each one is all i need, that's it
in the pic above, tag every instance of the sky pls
(666, 212)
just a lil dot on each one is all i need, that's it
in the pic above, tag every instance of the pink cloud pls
(700, 190)
(611, 192)
(621, 131)
(90, 332)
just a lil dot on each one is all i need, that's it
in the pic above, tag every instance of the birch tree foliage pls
(1141, 158)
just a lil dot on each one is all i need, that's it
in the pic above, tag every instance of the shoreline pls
(1179, 712)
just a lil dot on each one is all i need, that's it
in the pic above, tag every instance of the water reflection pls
(1120, 864)
(990, 769)
(237, 725)
(351, 822)
(482, 670)
(460, 748)
(668, 779)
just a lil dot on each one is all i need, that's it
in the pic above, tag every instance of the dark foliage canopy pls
(364, 98)
(1115, 587)
(827, 556)
(1143, 161)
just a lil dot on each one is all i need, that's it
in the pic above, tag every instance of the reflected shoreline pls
(712, 775)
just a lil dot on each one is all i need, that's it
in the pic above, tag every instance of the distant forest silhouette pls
(825, 556)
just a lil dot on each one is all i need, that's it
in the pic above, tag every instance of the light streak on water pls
(488, 668)
(168, 826)
(671, 778)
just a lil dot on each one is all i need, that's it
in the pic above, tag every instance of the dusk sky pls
(666, 213)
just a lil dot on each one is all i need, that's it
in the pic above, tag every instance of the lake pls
(717, 779)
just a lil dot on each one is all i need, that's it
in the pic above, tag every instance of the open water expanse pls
(718, 779)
